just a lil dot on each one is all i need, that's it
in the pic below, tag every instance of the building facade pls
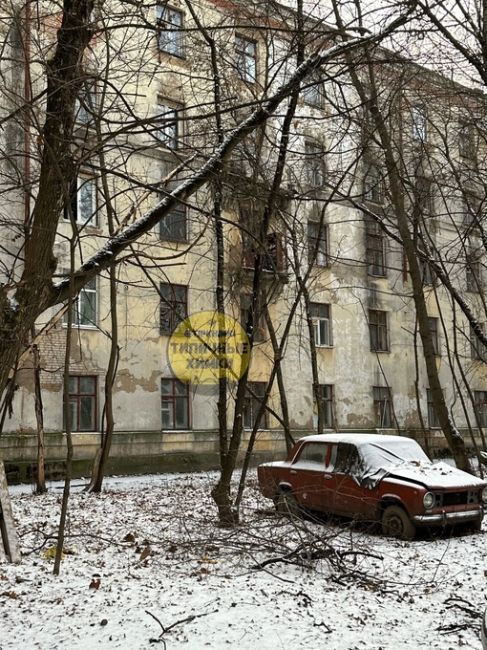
(335, 298)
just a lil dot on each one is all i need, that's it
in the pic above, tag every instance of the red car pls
(388, 479)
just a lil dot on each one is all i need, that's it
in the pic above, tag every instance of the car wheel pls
(286, 504)
(396, 523)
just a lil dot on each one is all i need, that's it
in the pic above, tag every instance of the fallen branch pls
(166, 629)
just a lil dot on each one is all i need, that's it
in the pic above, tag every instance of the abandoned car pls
(372, 477)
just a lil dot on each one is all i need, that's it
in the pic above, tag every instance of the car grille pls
(444, 499)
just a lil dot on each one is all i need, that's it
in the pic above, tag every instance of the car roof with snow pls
(357, 439)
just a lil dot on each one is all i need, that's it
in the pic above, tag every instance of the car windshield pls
(392, 453)
(379, 457)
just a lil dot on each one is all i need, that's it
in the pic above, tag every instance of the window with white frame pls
(82, 204)
(168, 118)
(246, 58)
(321, 317)
(170, 26)
(84, 306)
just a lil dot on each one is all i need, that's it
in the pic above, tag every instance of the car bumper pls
(448, 518)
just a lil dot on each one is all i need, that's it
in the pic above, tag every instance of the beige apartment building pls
(147, 119)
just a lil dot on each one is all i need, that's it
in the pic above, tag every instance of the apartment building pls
(336, 293)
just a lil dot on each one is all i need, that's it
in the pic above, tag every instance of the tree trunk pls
(39, 411)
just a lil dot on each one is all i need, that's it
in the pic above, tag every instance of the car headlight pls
(484, 495)
(429, 500)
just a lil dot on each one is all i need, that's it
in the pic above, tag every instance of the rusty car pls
(378, 478)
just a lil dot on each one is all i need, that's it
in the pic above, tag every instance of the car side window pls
(347, 460)
(314, 453)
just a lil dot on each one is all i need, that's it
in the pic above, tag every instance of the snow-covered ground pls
(148, 548)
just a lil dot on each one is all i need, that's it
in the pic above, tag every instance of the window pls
(466, 141)
(480, 405)
(82, 202)
(478, 350)
(174, 306)
(259, 321)
(273, 253)
(170, 24)
(433, 323)
(382, 407)
(347, 458)
(327, 405)
(433, 421)
(313, 452)
(424, 196)
(246, 58)
(321, 317)
(317, 243)
(471, 208)
(168, 131)
(253, 400)
(174, 404)
(379, 339)
(419, 123)
(314, 165)
(86, 103)
(84, 306)
(427, 273)
(173, 227)
(374, 189)
(82, 402)
(473, 271)
(313, 94)
(375, 249)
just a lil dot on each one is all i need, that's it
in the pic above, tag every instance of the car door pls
(350, 498)
(309, 477)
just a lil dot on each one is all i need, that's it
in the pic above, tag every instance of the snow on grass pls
(150, 547)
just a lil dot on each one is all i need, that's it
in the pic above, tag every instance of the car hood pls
(433, 475)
